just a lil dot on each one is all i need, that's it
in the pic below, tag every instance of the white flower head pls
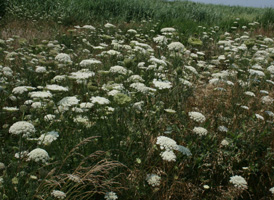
(224, 142)
(38, 155)
(176, 46)
(22, 127)
(161, 40)
(168, 156)
(22, 89)
(81, 75)
(197, 117)
(99, 100)
(63, 58)
(272, 190)
(2, 166)
(56, 88)
(58, 194)
(166, 143)
(259, 117)
(68, 101)
(111, 196)
(49, 117)
(40, 70)
(48, 138)
(222, 129)
(40, 95)
(168, 29)
(239, 182)
(118, 69)
(251, 94)
(200, 131)
(109, 25)
(90, 62)
(89, 27)
(162, 84)
(74, 178)
(21, 154)
(153, 180)
(141, 87)
(267, 100)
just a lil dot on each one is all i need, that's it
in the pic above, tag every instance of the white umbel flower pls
(197, 117)
(63, 58)
(90, 62)
(161, 40)
(48, 138)
(109, 25)
(40, 95)
(168, 156)
(267, 100)
(56, 88)
(86, 105)
(99, 100)
(224, 142)
(118, 69)
(176, 46)
(68, 101)
(153, 180)
(272, 190)
(2, 166)
(49, 117)
(162, 84)
(82, 74)
(271, 69)
(111, 196)
(166, 143)
(140, 87)
(251, 94)
(192, 69)
(168, 29)
(22, 127)
(40, 70)
(222, 129)
(22, 89)
(256, 73)
(259, 117)
(200, 131)
(89, 27)
(135, 79)
(38, 155)
(58, 194)
(74, 178)
(238, 181)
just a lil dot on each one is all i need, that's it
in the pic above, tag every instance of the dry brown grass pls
(93, 176)
(31, 30)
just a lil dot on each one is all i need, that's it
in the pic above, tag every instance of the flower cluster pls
(111, 196)
(153, 180)
(38, 155)
(197, 117)
(200, 131)
(22, 127)
(238, 182)
(58, 194)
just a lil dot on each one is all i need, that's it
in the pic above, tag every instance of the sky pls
(250, 3)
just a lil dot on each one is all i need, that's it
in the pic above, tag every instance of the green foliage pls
(3, 5)
(73, 11)
(194, 41)
(94, 139)
(268, 16)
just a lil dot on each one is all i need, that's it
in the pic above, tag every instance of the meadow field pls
(134, 100)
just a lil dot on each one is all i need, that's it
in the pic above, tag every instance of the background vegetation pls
(116, 150)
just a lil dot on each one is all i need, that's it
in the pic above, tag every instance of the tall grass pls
(73, 11)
